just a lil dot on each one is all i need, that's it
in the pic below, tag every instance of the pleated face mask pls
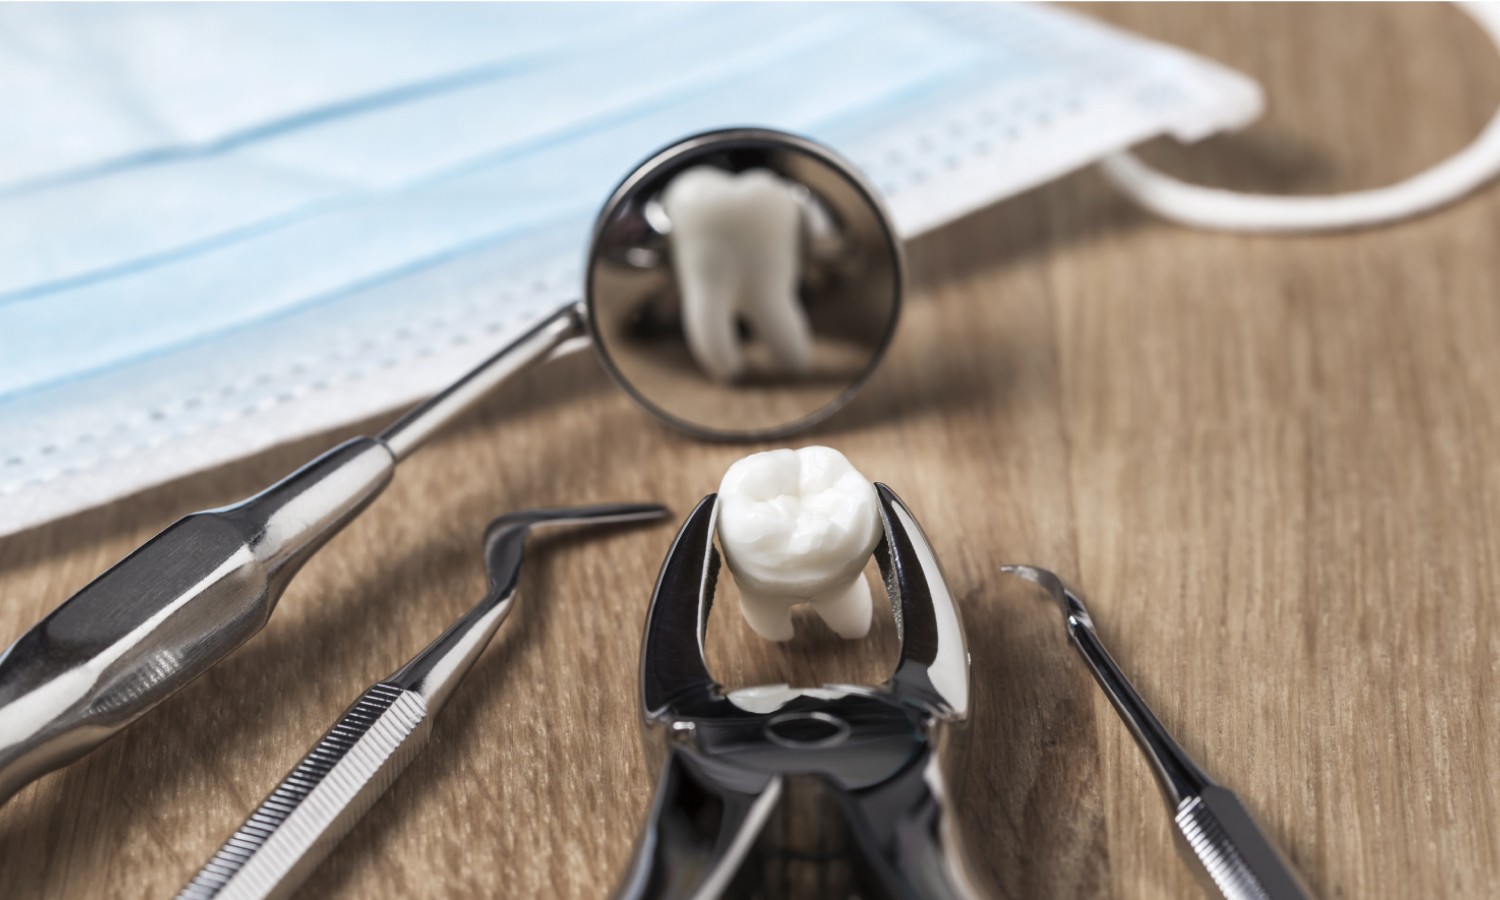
(225, 226)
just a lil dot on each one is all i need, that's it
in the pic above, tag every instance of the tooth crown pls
(796, 523)
(708, 200)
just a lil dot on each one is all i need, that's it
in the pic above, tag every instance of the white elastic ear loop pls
(1213, 208)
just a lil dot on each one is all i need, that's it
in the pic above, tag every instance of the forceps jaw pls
(933, 664)
(674, 673)
(932, 668)
(878, 751)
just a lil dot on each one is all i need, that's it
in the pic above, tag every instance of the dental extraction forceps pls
(1221, 842)
(853, 778)
(372, 743)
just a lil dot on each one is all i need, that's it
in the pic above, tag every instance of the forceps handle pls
(305, 817)
(698, 833)
(907, 837)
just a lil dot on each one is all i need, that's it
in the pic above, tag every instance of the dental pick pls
(366, 750)
(1219, 839)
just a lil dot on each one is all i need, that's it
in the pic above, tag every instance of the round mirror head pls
(743, 283)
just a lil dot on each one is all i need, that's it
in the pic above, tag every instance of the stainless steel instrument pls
(776, 791)
(1218, 837)
(167, 612)
(370, 745)
(187, 598)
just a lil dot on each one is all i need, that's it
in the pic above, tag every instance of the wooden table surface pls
(1269, 463)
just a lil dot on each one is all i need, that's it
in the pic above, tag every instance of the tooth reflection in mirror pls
(743, 283)
(736, 246)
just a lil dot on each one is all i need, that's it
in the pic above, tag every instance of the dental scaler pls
(1219, 839)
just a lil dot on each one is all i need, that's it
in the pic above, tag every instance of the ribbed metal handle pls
(1235, 857)
(291, 832)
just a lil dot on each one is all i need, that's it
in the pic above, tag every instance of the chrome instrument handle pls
(333, 786)
(167, 612)
(188, 597)
(1230, 851)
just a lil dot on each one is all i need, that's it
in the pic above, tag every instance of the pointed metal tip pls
(1048, 581)
(505, 536)
(598, 514)
(1046, 578)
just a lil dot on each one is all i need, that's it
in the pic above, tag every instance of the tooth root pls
(707, 288)
(768, 614)
(847, 609)
(777, 317)
(771, 256)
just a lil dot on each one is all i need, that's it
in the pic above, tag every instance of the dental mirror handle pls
(1219, 838)
(184, 600)
(416, 426)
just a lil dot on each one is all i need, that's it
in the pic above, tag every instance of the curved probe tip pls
(1047, 580)
(595, 514)
(505, 536)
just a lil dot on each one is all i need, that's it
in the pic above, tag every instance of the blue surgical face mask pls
(265, 220)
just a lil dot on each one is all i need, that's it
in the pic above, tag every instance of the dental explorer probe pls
(372, 743)
(184, 600)
(1220, 840)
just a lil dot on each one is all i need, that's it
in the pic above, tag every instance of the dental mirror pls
(743, 284)
(740, 284)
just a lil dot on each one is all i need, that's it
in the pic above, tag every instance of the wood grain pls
(1269, 463)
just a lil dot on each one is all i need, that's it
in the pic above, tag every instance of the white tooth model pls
(736, 248)
(798, 526)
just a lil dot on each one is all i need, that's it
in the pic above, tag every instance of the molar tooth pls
(798, 526)
(736, 253)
